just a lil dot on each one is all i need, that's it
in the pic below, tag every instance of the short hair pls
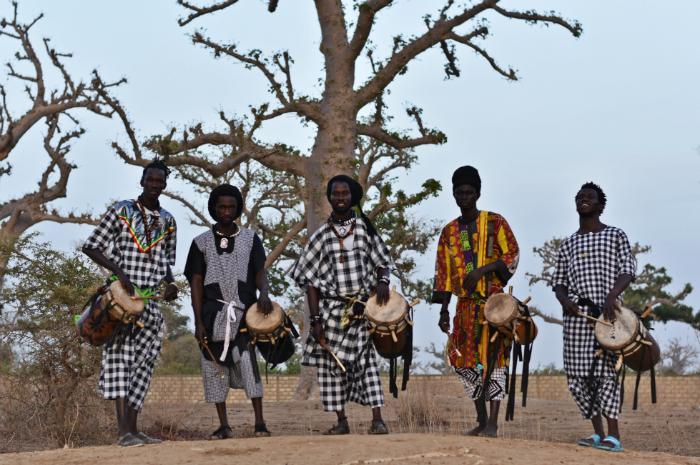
(156, 164)
(602, 198)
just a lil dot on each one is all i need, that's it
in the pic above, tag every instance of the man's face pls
(226, 208)
(153, 182)
(465, 196)
(341, 197)
(588, 203)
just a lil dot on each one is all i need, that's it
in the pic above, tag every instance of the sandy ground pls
(347, 450)
(543, 433)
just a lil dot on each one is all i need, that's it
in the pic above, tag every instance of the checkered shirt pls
(320, 265)
(122, 238)
(588, 266)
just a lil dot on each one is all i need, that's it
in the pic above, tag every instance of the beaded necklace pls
(148, 230)
(344, 229)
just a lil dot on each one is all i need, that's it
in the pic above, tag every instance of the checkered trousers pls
(218, 379)
(473, 382)
(602, 396)
(122, 238)
(588, 266)
(129, 359)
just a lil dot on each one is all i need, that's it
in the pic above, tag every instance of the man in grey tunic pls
(225, 266)
(594, 267)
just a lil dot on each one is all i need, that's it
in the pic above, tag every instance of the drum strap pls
(510, 383)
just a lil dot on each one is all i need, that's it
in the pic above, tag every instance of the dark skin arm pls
(98, 257)
(471, 280)
(444, 322)
(382, 288)
(610, 305)
(264, 303)
(313, 297)
(197, 294)
(569, 306)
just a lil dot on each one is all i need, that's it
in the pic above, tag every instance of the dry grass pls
(28, 421)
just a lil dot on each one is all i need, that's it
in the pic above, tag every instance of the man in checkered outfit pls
(344, 259)
(595, 265)
(135, 240)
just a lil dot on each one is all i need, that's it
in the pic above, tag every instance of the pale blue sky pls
(619, 106)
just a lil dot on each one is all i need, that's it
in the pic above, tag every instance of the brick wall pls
(671, 390)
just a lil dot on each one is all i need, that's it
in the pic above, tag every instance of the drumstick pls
(592, 318)
(328, 349)
(219, 368)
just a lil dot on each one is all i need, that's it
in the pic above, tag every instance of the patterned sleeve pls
(106, 233)
(379, 254)
(628, 264)
(560, 277)
(442, 285)
(171, 244)
(508, 246)
(312, 265)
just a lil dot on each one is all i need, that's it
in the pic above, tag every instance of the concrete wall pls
(671, 390)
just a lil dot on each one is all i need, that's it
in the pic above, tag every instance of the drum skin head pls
(119, 295)
(258, 322)
(500, 309)
(393, 310)
(623, 331)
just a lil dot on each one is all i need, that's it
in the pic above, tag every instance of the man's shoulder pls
(123, 206)
(203, 236)
(166, 216)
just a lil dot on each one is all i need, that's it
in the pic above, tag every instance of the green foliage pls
(180, 356)
(548, 370)
(44, 290)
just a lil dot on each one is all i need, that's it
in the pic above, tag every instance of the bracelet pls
(313, 319)
(384, 280)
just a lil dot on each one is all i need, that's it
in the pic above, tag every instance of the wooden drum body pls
(110, 307)
(629, 339)
(271, 333)
(510, 316)
(387, 324)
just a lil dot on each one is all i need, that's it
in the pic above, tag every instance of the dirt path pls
(349, 450)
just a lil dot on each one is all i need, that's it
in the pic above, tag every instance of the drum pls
(108, 308)
(387, 324)
(511, 317)
(271, 333)
(628, 338)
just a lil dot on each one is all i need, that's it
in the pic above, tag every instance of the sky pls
(619, 106)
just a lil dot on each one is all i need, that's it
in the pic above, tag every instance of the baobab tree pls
(347, 114)
(54, 106)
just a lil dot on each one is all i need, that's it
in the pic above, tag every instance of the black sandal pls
(341, 427)
(261, 431)
(378, 427)
(224, 432)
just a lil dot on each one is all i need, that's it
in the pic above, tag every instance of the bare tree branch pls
(282, 245)
(201, 11)
(365, 19)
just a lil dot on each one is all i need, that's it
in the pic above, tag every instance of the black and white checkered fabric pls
(128, 361)
(218, 379)
(602, 396)
(588, 265)
(121, 237)
(226, 270)
(321, 266)
(474, 383)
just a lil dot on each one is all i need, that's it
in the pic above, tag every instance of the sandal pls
(378, 427)
(224, 432)
(261, 431)
(130, 440)
(613, 445)
(341, 427)
(591, 441)
(147, 439)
